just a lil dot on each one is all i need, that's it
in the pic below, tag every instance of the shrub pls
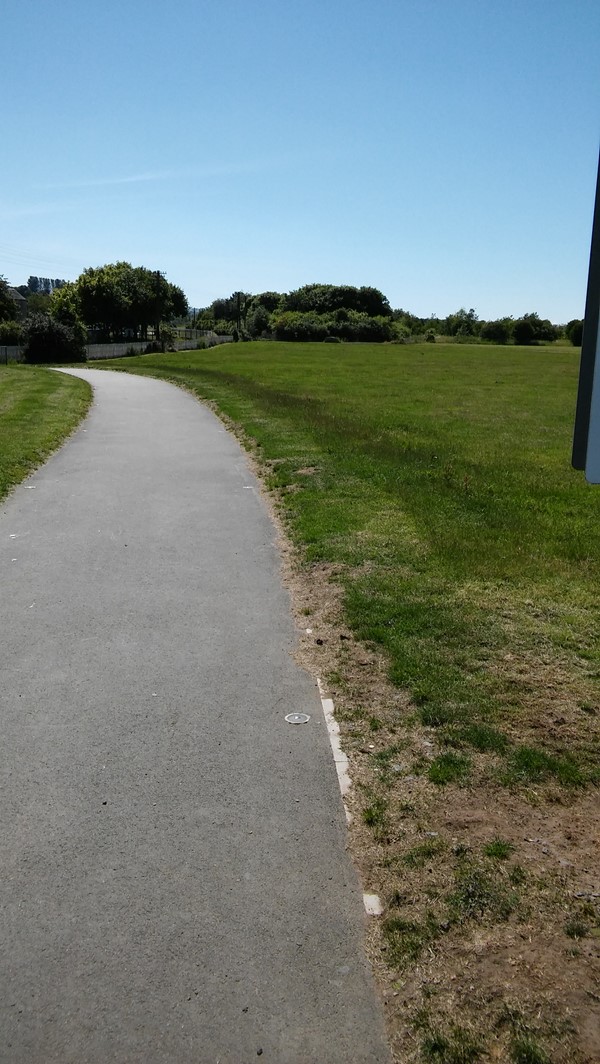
(294, 325)
(47, 340)
(168, 336)
(400, 331)
(532, 329)
(498, 332)
(523, 332)
(257, 321)
(575, 332)
(11, 332)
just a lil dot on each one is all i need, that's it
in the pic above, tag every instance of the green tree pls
(499, 331)
(118, 298)
(574, 331)
(523, 332)
(327, 298)
(38, 303)
(64, 304)
(462, 323)
(294, 325)
(269, 300)
(11, 332)
(8, 307)
(47, 340)
(532, 329)
(410, 322)
(258, 321)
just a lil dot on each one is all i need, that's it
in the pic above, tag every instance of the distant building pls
(20, 300)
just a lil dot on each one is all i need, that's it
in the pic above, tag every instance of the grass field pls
(441, 486)
(430, 488)
(38, 409)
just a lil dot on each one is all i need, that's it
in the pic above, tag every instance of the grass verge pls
(38, 409)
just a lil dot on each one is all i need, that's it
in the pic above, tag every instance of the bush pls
(168, 336)
(294, 325)
(11, 332)
(47, 340)
(532, 329)
(523, 332)
(400, 331)
(257, 322)
(498, 332)
(575, 332)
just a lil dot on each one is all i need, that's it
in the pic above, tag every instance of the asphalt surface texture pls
(174, 880)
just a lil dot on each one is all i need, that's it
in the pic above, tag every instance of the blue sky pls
(444, 151)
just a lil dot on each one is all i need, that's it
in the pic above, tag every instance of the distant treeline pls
(40, 285)
(343, 312)
(106, 303)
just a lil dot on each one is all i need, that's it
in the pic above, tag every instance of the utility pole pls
(586, 442)
(157, 323)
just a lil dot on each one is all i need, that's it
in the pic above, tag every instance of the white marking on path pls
(371, 902)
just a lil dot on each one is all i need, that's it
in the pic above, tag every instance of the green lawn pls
(469, 548)
(38, 409)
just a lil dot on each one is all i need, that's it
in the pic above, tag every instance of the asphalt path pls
(174, 881)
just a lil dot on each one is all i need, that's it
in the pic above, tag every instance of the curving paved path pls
(174, 885)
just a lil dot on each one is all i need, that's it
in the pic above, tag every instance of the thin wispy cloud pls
(101, 182)
(217, 169)
(15, 211)
(8, 213)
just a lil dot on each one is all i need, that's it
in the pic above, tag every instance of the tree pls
(258, 321)
(64, 307)
(294, 325)
(462, 323)
(44, 285)
(532, 329)
(38, 303)
(269, 300)
(523, 332)
(8, 307)
(574, 331)
(233, 309)
(327, 298)
(47, 340)
(118, 297)
(11, 332)
(64, 304)
(410, 322)
(499, 331)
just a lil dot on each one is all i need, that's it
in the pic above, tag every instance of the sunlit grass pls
(38, 408)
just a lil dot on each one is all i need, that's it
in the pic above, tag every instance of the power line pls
(28, 258)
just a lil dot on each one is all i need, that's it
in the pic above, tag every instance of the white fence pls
(10, 354)
(132, 347)
(129, 347)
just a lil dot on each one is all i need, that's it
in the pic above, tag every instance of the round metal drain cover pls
(297, 718)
